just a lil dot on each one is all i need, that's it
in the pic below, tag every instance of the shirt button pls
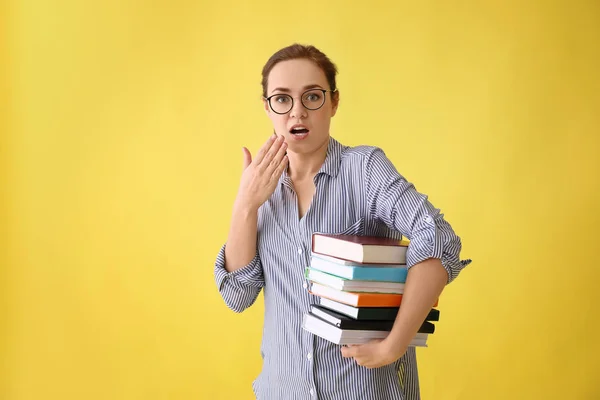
(428, 219)
(305, 285)
(312, 392)
(299, 250)
(309, 356)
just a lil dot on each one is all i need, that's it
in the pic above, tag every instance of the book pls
(370, 313)
(358, 299)
(355, 271)
(337, 335)
(345, 322)
(361, 249)
(346, 284)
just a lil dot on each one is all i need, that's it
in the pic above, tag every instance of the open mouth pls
(299, 130)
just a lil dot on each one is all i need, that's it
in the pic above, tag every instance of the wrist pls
(395, 346)
(397, 341)
(244, 208)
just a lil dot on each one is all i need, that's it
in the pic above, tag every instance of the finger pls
(276, 161)
(263, 150)
(266, 161)
(279, 170)
(347, 352)
(247, 158)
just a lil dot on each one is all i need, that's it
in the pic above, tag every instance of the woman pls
(302, 181)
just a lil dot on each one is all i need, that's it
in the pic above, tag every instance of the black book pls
(347, 323)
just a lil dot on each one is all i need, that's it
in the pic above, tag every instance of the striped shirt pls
(358, 191)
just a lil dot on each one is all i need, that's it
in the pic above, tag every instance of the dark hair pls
(296, 51)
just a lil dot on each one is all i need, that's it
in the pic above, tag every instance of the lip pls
(296, 137)
(298, 126)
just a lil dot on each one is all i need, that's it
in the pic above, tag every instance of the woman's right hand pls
(261, 174)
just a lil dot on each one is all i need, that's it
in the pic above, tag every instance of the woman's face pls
(304, 130)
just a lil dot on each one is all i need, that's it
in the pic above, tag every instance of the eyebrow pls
(286, 90)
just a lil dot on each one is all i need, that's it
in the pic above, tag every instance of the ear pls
(335, 101)
(266, 106)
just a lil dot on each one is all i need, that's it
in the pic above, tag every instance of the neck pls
(304, 166)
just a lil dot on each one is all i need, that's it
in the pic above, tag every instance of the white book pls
(332, 333)
(361, 249)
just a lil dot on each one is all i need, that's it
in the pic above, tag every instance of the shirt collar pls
(330, 166)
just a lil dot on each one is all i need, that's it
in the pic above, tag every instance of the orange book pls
(358, 299)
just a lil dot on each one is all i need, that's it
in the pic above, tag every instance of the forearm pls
(241, 241)
(424, 284)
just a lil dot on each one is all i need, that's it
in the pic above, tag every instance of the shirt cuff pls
(248, 275)
(433, 241)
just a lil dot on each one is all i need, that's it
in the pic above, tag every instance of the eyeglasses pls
(312, 99)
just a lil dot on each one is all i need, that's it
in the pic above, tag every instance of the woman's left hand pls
(374, 354)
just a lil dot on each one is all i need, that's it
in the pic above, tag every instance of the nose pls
(298, 110)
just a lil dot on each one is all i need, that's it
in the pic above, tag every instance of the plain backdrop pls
(122, 128)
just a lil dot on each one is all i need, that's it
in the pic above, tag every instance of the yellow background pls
(122, 127)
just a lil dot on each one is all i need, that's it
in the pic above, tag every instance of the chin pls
(305, 144)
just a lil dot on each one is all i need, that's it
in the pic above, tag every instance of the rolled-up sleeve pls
(395, 201)
(240, 288)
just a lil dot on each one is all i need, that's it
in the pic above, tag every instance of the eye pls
(282, 99)
(313, 97)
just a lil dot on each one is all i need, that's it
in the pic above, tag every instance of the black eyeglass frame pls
(268, 99)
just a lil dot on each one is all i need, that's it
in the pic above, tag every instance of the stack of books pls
(359, 282)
